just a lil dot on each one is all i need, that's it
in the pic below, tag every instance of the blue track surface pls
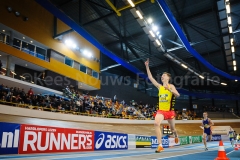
(188, 152)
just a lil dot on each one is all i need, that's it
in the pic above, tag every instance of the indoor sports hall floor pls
(188, 152)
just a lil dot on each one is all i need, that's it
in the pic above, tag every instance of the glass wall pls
(68, 61)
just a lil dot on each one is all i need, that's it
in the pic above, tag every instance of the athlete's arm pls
(154, 82)
(174, 91)
(210, 122)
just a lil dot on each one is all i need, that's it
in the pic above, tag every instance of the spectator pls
(30, 92)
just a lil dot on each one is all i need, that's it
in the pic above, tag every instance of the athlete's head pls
(205, 114)
(166, 77)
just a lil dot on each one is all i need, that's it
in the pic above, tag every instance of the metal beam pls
(98, 19)
(99, 5)
(58, 36)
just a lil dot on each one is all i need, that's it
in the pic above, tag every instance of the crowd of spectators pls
(74, 101)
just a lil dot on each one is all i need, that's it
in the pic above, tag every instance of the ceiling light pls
(87, 53)
(228, 8)
(223, 84)
(31, 41)
(235, 68)
(152, 34)
(32, 82)
(3, 30)
(236, 80)
(157, 41)
(154, 28)
(231, 41)
(234, 62)
(233, 49)
(184, 66)
(229, 20)
(131, 3)
(0, 55)
(9, 9)
(230, 29)
(139, 14)
(201, 76)
(17, 13)
(160, 36)
(149, 20)
(158, 33)
(23, 37)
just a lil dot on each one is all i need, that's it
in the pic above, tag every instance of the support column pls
(8, 65)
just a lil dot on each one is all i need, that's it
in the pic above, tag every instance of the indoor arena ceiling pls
(123, 35)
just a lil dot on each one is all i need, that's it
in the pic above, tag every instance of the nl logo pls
(9, 138)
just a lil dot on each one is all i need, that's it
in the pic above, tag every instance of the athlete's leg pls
(205, 140)
(158, 120)
(171, 122)
(210, 137)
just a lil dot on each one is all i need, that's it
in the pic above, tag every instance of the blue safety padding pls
(60, 15)
(187, 45)
(63, 17)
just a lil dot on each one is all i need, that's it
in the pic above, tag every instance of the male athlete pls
(231, 135)
(167, 94)
(207, 133)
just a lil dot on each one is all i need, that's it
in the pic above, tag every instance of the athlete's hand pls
(147, 62)
(206, 126)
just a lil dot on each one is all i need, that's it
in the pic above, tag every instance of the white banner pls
(172, 142)
(221, 130)
(131, 141)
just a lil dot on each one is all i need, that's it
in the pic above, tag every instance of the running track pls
(187, 152)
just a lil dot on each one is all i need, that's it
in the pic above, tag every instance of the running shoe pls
(159, 149)
(176, 140)
(206, 149)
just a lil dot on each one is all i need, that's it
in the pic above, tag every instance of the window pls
(16, 43)
(68, 61)
(41, 53)
(59, 57)
(76, 65)
(7, 39)
(89, 71)
(28, 48)
(83, 68)
(95, 74)
(2, 37)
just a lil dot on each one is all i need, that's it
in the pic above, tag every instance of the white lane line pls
(230, 152)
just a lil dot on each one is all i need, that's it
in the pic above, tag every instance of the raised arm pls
(150, 77)
(174, 90)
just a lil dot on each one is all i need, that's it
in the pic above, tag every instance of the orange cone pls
(221, 152)
(236, 147)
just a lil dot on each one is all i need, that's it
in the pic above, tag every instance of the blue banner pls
(165, 142)
(110, 141)
(216, 138)
(9, 138)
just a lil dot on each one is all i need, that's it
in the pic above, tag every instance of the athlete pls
(231, 136)
(238, 138)
(167, 94)
(207, 133)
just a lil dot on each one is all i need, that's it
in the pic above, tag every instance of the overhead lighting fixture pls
(158, 33)
(160, 36)
(131, 3)
(175, 60)
(234, 62)
(31, 41)
(0, 55)
(17, 14)
(87, 53)
(3, 30)
(139, 14)
(235, 68)
(201, 76)
(236, 80)
(230, 29)
(233, 49)
(23, 37)
(70, 43)
(32, 82)
(184, 66)
(149, 20)
(231, 40)
(157, 41)
(169, 56)
(228, 8)
(9, 9)
(223, 84)
(154, 28)
(152, 34)
(229, 20)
